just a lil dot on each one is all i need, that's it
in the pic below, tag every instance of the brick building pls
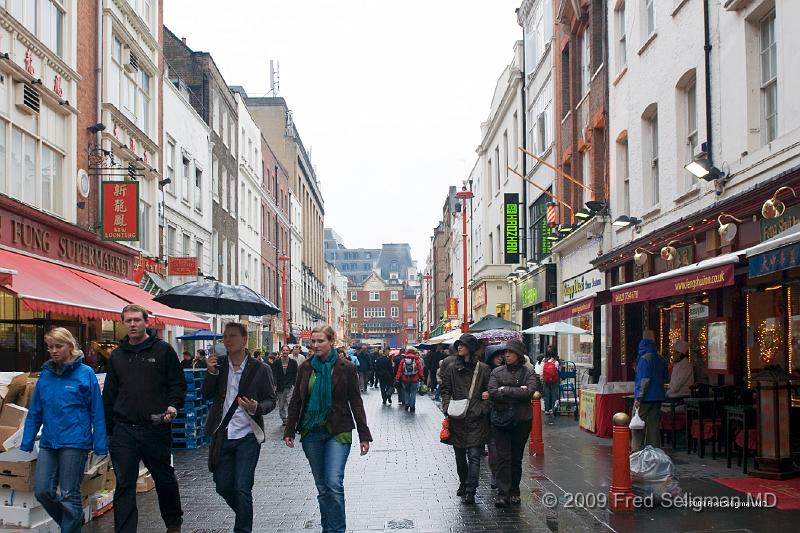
(378, 312)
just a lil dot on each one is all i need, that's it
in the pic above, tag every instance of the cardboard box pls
(145, 484)
(13, 516)
(93, 484)
(17, 470)
(102, 502)
(48, 526)
(12, 418)
(18, 498)
(111, 480)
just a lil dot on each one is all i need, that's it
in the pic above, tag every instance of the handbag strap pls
(243, 384)
(474, 377)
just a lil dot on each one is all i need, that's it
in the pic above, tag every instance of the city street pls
(407, 482)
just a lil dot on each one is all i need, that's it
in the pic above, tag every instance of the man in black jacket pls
(247, 382)
(284, 370)
(143, 391)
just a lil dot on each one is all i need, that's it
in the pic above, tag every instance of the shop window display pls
(698, 340)
(765, 327)
(580, 346)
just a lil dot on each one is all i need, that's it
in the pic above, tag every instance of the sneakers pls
(515, 499)
(501, 502)
(469, 498)
(462, 490)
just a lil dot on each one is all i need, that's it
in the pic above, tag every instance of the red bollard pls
(620, 495)
(536, 444)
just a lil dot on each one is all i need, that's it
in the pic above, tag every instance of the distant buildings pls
(390, 261)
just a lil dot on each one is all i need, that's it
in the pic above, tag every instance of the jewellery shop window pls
(765, 327)
(580, 346)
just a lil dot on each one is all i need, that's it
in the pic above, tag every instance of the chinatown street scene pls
(369, 266)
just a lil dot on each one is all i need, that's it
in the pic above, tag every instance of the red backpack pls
(550, 372)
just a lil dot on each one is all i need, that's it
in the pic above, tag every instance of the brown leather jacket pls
(346, 406)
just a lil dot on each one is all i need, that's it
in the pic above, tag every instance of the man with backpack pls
(550, 380)
(409, 373)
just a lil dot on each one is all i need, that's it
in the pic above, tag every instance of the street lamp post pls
(427, 278)
(464, 195)
(328, 302)
(284, 259)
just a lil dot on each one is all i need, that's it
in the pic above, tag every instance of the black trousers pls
(468, 466)
(153, 446)
(387, 388)
(509, 446)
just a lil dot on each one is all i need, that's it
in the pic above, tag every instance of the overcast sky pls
(387, 95)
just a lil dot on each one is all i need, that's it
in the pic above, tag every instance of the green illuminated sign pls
(528, 296)
(511, 225)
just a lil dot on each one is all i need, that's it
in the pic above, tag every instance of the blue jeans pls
(234, 477)
(551, 395)
(410, 393)
(328, 459)
(62, 469)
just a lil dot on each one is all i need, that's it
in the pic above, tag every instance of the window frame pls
(768, 88)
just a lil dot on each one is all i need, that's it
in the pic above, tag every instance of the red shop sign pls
(567, 311)
(120, 210)
(182, 266)
(702, 280)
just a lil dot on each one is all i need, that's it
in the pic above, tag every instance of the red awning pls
(133, 294)
(568, 310)
(706, 275)
(48, 287)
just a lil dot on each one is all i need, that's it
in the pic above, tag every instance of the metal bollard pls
(536, 444)
(620, 494)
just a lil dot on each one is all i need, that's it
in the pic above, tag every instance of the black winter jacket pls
(284, 380)
(511, 379)
(384, 369)
(142, 380)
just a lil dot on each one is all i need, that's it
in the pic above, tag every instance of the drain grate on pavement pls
(402, 523)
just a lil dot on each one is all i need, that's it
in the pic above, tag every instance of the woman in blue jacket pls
(68, 407)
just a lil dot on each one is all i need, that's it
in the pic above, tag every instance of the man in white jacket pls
(682, 378)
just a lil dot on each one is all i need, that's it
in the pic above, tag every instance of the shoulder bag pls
(215, 446)
(502, 415)
(458, 408)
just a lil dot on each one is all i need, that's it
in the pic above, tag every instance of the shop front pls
(535, 292)
(56, 274)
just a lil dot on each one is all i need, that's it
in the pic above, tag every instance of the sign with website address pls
(711, 278)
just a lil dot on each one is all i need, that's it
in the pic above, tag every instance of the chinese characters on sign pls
(57, 85)
(511, 225)
(120, 201)
(29, 63)
(452, 308)
(182, 266)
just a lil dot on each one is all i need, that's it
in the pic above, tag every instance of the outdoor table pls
(703, 408)
(672, 403)
(746, 414)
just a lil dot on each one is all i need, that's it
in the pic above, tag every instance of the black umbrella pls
(491, 322)
(213, 297)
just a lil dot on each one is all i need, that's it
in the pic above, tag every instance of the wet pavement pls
(407, 482)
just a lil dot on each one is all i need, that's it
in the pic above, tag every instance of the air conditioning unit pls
(129, 60)
(27, 99)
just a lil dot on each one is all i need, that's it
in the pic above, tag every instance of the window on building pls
(374, 312)
(223, 177)
(185, 178)
(489, 181)
(143, 109)
(172, 237)
(620, 36)
(394, 296)
(374, 296)
(649, 22)
(353, 312)
(353, 296)
(51, 180)
(354, 328)
(505, 154)
(232, 193)
(144, 225)
(198, 189)
(496, 168)
(491, 249)
(650, 150)
(585, 67)
(566, 100)
(623, 172)
(769, 78)
(690, 133)
(170, 167)
(410, 308)
(214, 177)
(198, 253)
(395, 312)
(187, 245)
(48, 14)
(586, 173)
(34, 179)
(515, 139)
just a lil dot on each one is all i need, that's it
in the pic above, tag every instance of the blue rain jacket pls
(67, 405)
(652, 368)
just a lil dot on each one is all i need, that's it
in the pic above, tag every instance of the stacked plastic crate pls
(188, 429)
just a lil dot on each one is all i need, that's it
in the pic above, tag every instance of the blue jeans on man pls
(328, 459)
(551, 396)
(234, 477)
(410, 393)
(62, 469)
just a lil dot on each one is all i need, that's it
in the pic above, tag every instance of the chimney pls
(183, 40)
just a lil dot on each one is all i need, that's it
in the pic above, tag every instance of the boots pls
(462, 490)
(469, 498)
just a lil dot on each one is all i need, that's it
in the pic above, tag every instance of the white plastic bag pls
(652, 473)
(636, 421)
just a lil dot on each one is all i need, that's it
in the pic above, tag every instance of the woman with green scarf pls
(325, 402)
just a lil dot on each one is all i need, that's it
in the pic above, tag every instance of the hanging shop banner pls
(479, 296)
(452, 308)
(532, 290)
(702, 280)
(182, 266)
(511, 227)
(567, 311)
(770, 227)
(119, 201)
(774, 261)
(144, 264)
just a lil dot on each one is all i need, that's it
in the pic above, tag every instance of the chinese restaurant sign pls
(771, 227)
(144, 264)
(479, 296)
(452, 308)
(774, 261)
(511, 226)
(565, 312)
(120, 210)
(182, 266)
(703, 280)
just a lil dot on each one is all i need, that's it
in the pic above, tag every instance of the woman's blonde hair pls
(63, 336)
(411, 349)
(327, 330)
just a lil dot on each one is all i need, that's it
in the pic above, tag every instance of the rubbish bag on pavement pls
(652, 473)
